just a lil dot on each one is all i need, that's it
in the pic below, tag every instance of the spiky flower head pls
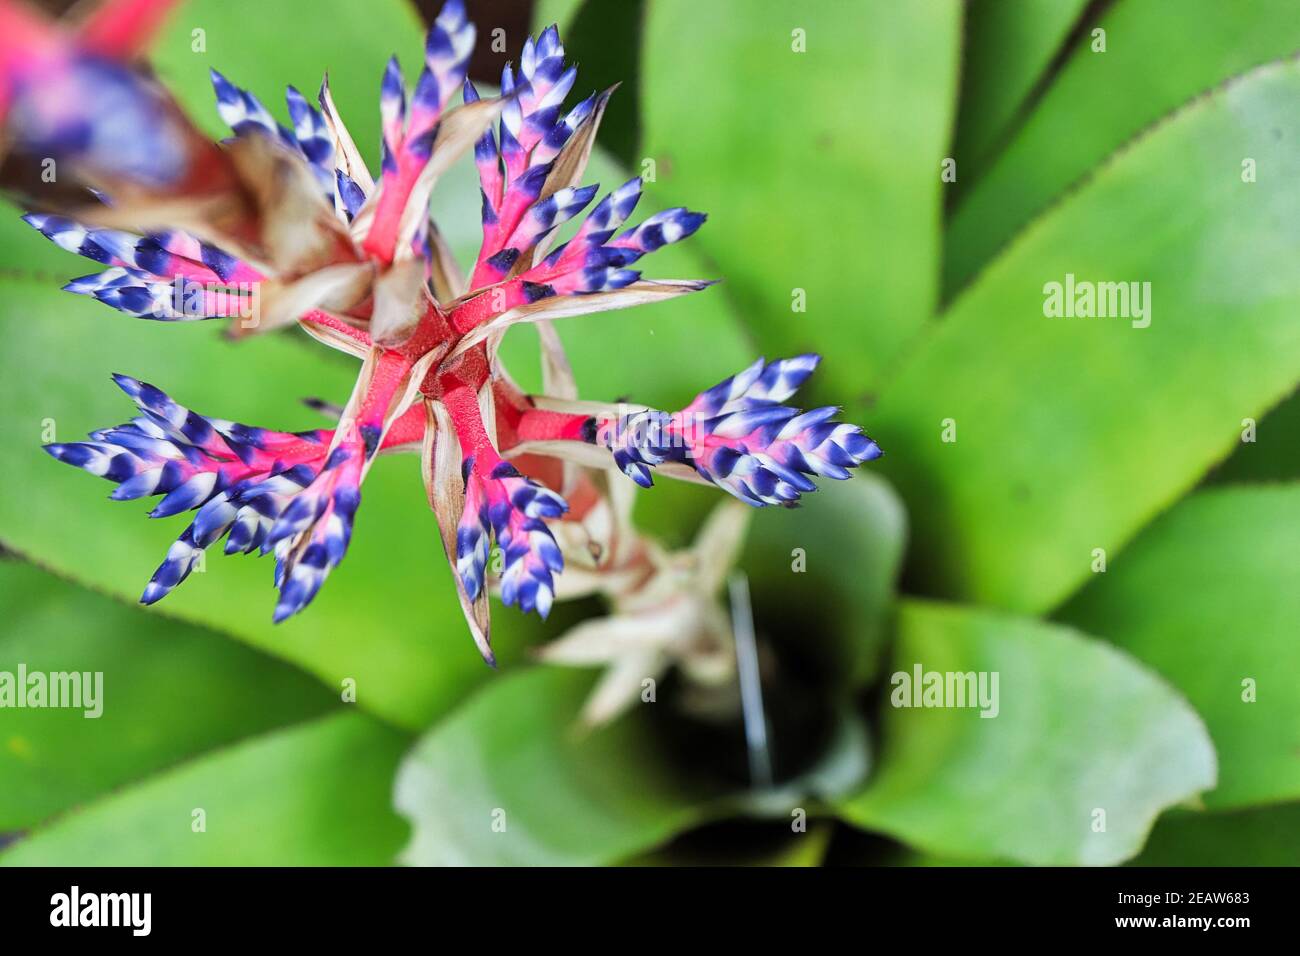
(284, 224)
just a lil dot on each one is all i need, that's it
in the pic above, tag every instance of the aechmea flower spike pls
(502, 501)
(740, 436)
(252, 484)
(283, 223)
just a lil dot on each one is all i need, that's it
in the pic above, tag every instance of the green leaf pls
(559, 12)
(387, 618)
(1207, 597)
(508, 779)
(1101, 100)
(312, 795)
(1072, 433)
(1009, 45)
(819, 170)
(1273, 455)
(1080, 728)
(827, 571)
(20, 257)
(164, 692)
(1269, 836)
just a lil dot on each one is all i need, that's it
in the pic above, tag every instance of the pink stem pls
(540, 425)
(487, 305)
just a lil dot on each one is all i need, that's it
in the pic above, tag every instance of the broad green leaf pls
(1009, 45)
(262, 47)
(559, 12)
(1080, 729)
(824, 574)
(387, 618)
(1267, 836)
(311, 795)
(165, 692)
(1071, 433)
(21, 256)
(508, 779)
(1100, 100)
(819, 169)
(1207, 597)
(1269, 450)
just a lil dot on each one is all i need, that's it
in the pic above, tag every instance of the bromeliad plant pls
(1047, 480)
(287, 225)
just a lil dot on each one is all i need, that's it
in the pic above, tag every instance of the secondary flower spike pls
(742, 437)
(303, 232)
